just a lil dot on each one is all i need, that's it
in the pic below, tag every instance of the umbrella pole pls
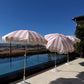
(68, 58)
(55, 59)
(55, 69)
(25, 61)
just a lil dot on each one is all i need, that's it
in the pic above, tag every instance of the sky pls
(42, 16)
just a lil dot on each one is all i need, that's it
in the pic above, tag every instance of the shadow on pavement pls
(80, 76)
(82, 63)
(78, 80)
(67, 81)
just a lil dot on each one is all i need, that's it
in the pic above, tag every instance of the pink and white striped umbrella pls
(24, 36)
(74, 39)
(59, 43)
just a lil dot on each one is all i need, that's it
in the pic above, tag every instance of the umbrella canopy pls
(59, 43)
(74, 39)
(24, 36)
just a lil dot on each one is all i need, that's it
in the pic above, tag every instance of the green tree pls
(79, 47)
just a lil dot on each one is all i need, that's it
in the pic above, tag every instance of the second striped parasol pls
(60, 44)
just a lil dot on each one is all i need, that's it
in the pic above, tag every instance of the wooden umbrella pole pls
(55, 59)
(67, 57)
(25, 59)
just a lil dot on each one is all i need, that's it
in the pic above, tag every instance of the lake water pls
(8, 65)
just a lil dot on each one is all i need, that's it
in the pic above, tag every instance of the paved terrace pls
(68, 74)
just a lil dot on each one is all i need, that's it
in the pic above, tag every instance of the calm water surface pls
(8, 65)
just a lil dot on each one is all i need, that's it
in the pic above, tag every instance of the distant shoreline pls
(19, 54)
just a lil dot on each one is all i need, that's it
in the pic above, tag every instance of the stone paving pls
(68, 74)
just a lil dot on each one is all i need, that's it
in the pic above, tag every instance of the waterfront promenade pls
(68, 74)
